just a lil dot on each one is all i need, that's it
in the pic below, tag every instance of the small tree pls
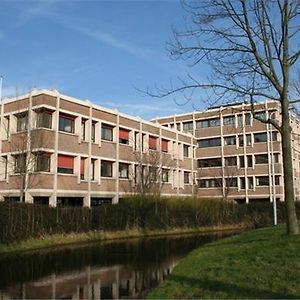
(251, 48)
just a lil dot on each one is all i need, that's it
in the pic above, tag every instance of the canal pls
(124, 269)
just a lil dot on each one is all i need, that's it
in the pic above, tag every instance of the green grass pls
(263, 263)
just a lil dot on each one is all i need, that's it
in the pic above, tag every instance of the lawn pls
(263, 263)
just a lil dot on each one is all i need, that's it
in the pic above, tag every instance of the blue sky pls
(96, 50)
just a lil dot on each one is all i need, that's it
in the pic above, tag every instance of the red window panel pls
(82, 162)
(123, 134)
(164, 145)
(65, 161)
(152, 142)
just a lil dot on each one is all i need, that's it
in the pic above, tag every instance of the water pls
(127, 269)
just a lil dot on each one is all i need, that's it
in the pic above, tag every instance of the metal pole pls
(273, 180)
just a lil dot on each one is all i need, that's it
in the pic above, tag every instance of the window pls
(93, 168)
(123, 170)
(44, 119)
(249, 161)
(93, 132)
(209, 162)
(242, 183)
(107, 132)
(230, 161)
(186, 177)
(186, 150)
(250, 183)
(274, 136)
(4, 164)
(65, 164)
(210, 183)
(152, 143)
(106, 168)
(261, 159)
(261, 115)
(248, 140)
(165, 175)
(215, 142)
(178, 127)
(152, 174)
(66, 123)
(20, 163)
(262, 180)
(229, 120)
(247, 119)
(260, 137)
(231, 182)
(123, 136)
(42, 162)
(22, 122)
(82, 168)
(241, 140)
(136, 141)
(276, 158)
(242, 162)
(188, 126)
(83, 130)
(240, 120)
(230, 140)
(164, 145)
(208, 123)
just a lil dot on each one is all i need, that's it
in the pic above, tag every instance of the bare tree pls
(251, 48)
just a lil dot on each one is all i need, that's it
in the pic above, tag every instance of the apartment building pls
(238, 157)
(59, 150)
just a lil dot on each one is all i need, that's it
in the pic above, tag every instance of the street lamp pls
(273, 177)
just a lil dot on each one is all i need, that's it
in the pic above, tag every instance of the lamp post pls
(273, 177)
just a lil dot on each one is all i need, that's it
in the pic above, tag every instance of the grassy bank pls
(57, 240)
(263, 263)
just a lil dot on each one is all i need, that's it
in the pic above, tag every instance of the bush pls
(20, 221)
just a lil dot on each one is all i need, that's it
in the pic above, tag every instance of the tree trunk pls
(291, 218)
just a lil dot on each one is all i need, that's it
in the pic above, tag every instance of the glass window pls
(65, 164)
(123, 136)
(188, 126)
(152, 142)
(178, 127)
(260, 137)
(210, 183)
(44, 119)
(186, 176)
(260, 115)
(209, 162)
(262, 180)
(165, 175)
(106, 168)
(261, 159)
(123, 170)
(66, 123)
(83, 130)
(215, 142)
(230, 140)
(250, 183)
(230, 161)
(215, 122)
(4, 164)
(186, 150)
(229, 120)
(248, 140)
(22, 122)
(93, 169)
(20, 163)
(248, 119)
(242, 183)
(242, 162)
(106, 132)
(249, 161)
(240, 120)
(42, 162)
(241, 140)
(93, 132)
(231, 182)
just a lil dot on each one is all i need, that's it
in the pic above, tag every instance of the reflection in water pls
(99, 271)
